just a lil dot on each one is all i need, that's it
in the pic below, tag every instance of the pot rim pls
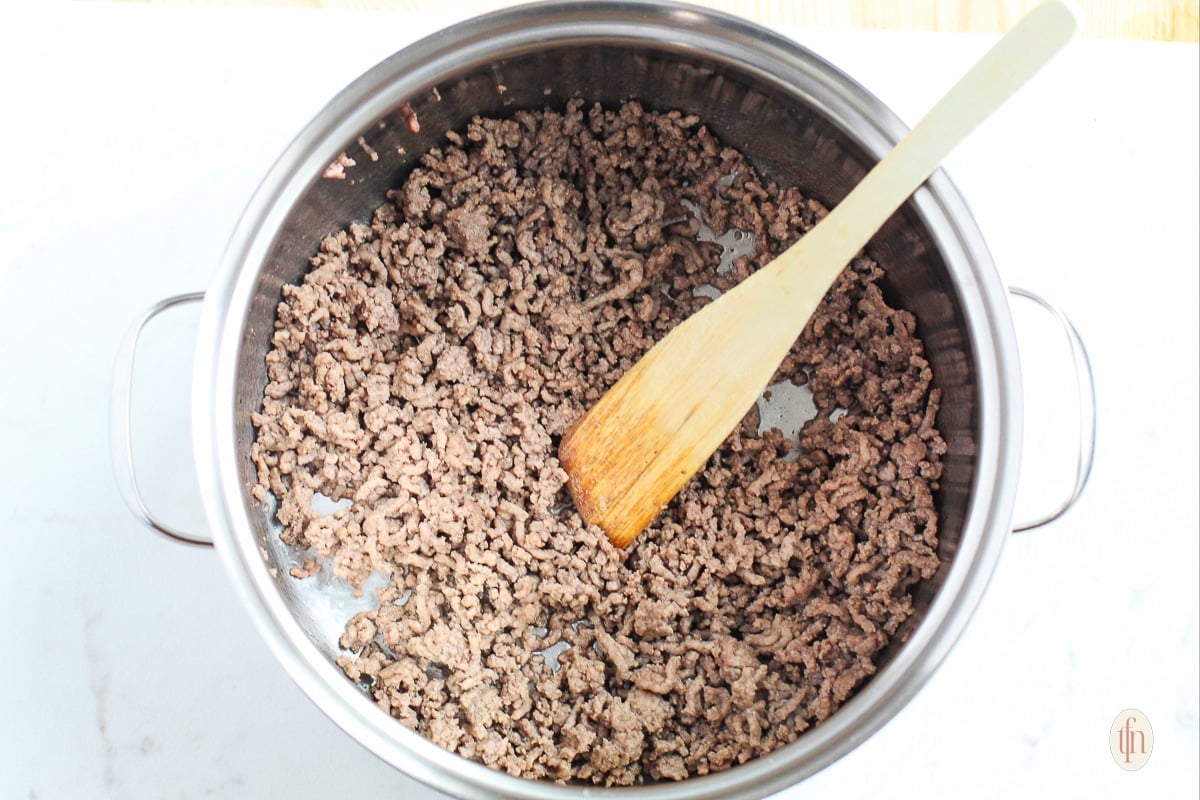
(868, 121)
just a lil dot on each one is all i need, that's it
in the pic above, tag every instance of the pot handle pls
(120, 425)
(1086, 388)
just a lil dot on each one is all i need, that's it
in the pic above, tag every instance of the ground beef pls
(429, 362)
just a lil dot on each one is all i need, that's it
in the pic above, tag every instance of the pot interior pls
(797, 119)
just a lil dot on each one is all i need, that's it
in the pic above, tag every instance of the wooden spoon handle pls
(808, 268)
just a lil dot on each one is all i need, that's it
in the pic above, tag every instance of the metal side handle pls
(1086, 388)
(120, 423)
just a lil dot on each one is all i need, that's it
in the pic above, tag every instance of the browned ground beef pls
(425, 369)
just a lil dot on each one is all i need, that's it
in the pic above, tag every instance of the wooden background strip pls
(1158, 20)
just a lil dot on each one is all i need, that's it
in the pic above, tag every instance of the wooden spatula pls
(633, 451)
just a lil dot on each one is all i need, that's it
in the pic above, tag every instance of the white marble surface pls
(132, 137)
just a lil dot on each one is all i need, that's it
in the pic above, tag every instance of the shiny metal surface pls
(120, 428)
(801, 121)
(1085, 384)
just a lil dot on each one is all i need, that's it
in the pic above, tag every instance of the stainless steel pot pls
(801, 121)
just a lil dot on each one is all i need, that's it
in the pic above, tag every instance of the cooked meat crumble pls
(425, 369)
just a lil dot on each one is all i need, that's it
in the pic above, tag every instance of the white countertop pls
(132, 138)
